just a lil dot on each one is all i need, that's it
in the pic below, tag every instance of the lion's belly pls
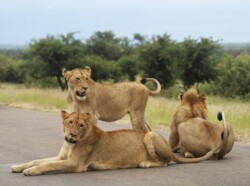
(108, 111)
(112, 112)
(111, 116)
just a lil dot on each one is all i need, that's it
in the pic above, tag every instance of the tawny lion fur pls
(111, 101)
(87, 147)
(193, 134)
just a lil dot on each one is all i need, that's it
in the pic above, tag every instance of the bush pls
(12, 70)
(234, 78)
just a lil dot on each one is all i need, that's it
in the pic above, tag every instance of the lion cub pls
(88, 147)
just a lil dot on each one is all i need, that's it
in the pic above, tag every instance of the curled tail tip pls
(220, 116)
(143, 81)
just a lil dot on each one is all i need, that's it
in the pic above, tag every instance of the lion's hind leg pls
(138, 121)
(174, 139)
(102, 166)
(152, 163)
(184, 152)
(157, 148)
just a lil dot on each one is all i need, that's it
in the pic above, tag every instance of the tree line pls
(191, 62)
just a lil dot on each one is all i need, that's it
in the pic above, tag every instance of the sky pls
(225, 20)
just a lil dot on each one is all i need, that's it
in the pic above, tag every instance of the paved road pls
(26, 135)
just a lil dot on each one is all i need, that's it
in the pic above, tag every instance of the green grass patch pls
(159, 110)
(32, 98)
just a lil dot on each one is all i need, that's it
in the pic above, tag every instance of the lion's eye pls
(71, 123)
(78, 79)
(87, 78)
(81, 126)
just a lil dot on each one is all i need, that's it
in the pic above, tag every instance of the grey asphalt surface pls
(27, 135)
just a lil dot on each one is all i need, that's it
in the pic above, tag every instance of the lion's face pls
(76, 126)
(78, 81)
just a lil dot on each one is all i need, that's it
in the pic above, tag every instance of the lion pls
(193, 134)
(90, 148)
(111, 101)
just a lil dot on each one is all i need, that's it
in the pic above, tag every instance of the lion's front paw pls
(31, 172)
(144, 164)
(188, 155)
(17, 169)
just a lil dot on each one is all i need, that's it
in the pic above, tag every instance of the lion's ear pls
(95, 118)
(64, 114)
(66, 73)
(203, 97)
(92, 118)
(181, 96)
(87, 69)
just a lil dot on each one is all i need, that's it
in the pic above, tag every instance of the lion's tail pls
(207, 156)
(224, 135)
(152, 92)
(157, 146)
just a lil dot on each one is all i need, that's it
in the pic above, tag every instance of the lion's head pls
(78, 80)
(77, 126)
(197, 103)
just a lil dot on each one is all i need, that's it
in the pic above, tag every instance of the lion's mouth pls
(80, 94)
(70, 140)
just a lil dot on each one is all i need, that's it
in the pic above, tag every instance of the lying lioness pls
(111, 101)
(193, 134)
(198, 136)
(88, 147)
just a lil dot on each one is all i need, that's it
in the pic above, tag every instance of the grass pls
(159, 110)
(32, 98)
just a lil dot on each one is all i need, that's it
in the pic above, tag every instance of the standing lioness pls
(111, 101)
(88, 147)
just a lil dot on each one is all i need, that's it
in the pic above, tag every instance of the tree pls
(129, 66)
(199, 61)
(105, 45)
(126, 45)
(158, 57)
(139, 39)
(102, 69)
(49, 55)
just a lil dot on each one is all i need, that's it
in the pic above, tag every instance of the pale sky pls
(23, 20)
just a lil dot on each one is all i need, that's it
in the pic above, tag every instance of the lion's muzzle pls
(81, 94)
(71, 138)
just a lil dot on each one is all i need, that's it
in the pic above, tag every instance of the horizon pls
(223, 20)
(24, 46)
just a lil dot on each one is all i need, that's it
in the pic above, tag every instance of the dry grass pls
(159, 110)
(32, 98)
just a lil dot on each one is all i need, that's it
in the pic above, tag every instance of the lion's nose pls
(85, 88)
(73, 135)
